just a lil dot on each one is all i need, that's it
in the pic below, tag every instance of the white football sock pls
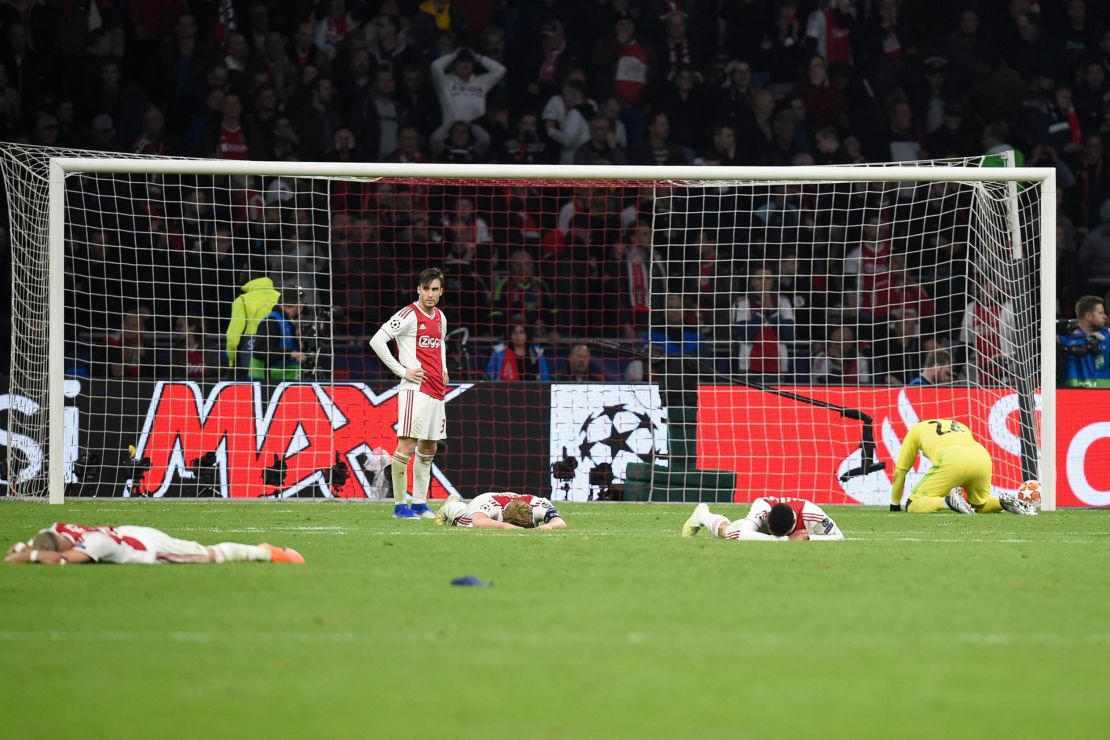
(421, 477)
(399, 470)
(230, 552)
(711, 521)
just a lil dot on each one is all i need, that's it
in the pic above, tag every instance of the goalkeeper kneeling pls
(958, 461)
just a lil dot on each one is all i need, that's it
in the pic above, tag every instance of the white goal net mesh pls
(685, 340)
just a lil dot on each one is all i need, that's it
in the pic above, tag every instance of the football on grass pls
(1030, 492)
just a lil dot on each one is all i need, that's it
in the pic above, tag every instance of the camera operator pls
(1086, 349)
(277, 354)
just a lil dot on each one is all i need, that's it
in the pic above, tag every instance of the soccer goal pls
(631, 333)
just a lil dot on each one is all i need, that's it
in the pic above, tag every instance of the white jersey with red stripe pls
(493, 505)
(130, 545)
(419, 338)
(808, 516)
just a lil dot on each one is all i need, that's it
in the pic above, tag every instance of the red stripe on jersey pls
(429, 352)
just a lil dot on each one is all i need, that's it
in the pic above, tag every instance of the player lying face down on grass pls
(68, 544)
(958, 461)
(504, 510)
(769, 519)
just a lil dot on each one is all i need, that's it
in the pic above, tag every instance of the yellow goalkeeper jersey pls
(932, 437)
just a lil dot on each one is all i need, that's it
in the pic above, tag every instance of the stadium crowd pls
(791, 284)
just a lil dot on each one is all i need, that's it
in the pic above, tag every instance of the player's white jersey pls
(130, 545)
(419, 340)
(493, 505)
(808, 515)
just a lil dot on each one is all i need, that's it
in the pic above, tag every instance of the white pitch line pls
(989, 639)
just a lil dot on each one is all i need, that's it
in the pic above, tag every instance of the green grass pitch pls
(991, 626)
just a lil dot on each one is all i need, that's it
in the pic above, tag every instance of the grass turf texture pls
(918, 626)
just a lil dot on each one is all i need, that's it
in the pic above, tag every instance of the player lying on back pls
(71, 544)
(770, 518)
(958, 461)
(504, 510)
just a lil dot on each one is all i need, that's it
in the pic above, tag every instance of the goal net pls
(200, 328)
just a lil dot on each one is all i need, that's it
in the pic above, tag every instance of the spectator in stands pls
(626, 64)
(1093, 179)
(462, 92)
(464, 143)
(390, 47)
(421, 101)
(520, 359)
(232, 136)
(191, 359)
(678, 334)
(285, 144)
(316, 122)
(104, 133)
(723, 151)
(686, 108)
(522, 298)
(333, 25)
(951, 138)
(552, 64)
(566, 119)
(378, 119)
(436, 16)
(764, 323)
(276, 353)
(152, 138)
(526, 145)
(897, 352)
(678, 50)
(1094, 254)
(656, 148)
(937, 369)
(127, 352)
(580, 367)
(989, 334)
(463, 226)
(825, 104)
(630, 276)
(602, 146)
(841, 362)
(408, 146)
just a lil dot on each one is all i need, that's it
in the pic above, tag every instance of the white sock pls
(421, 477)
(711, 521)
(230, 552)
(400, 472)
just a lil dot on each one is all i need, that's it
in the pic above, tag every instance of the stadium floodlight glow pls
(869, 242)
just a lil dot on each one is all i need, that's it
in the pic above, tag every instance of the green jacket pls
(258, 299)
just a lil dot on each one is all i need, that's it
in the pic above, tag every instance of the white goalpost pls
(779, 316)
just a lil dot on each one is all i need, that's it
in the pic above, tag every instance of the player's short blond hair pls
(519, 513)
(49, 540)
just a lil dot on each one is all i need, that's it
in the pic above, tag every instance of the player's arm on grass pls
(749, 530)
(907, 456)
(482, 521)
(26, 554)
(555, 522)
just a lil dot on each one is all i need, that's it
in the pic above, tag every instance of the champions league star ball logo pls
(617, 436)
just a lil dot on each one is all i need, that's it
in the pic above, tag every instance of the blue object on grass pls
(470, 581)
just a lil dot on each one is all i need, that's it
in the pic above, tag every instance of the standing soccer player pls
(958, 461)
(418, 329)
(770, 518)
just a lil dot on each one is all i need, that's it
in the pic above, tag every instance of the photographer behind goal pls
(1085, 346)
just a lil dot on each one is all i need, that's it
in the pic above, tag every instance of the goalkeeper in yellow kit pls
(957, 461)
